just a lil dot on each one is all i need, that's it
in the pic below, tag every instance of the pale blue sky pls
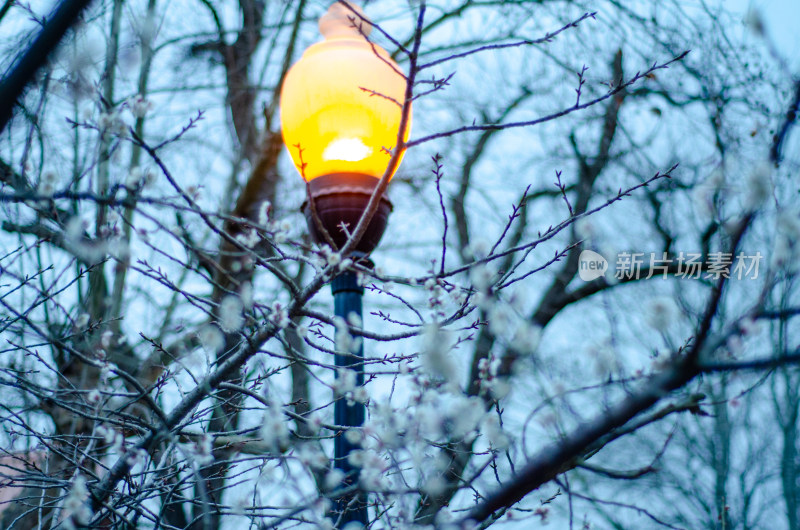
(782, 19)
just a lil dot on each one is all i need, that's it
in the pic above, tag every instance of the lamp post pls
(340, 115)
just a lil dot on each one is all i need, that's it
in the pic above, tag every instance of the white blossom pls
(281, 230)
(264, 211)
(435, 485)
(458, 296)
(443, 517)
(140, 106)
(436, 355)
(318, 261)
(134, 178)
(499, 388)
(361, 394)
(139, 177)
(76, 502)
(483, 300)
(230, 313)
(94, 396)
(86, 112)
(501, 319)
(331, 257)
(751, 326)
(82, 321)
(105, 372)
(47, 184)
(734, 345)
(246, 295)
(525, 340)
(371, 476)
(249, 238)
(211, 338)
(105, 338)
(80, 246)
(75, 229)
(483, 367)
(345, 382)
(111, 123)
(311, 456)
(111, 437)
(464, 414)
(278, 315)
(314, 422)
(105, 120)
(389, 424)
(354, 320)
(356, 458)
(481, 276)
(135, 457)
(345, 264)
(479, 248)
(274, 431)
(334, 478)
(437, 292)
(661, 313)
(494, 433)
(430, 421)
(119, 249)
(343, 341)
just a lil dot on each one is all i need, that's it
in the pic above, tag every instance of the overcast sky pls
(781, 18)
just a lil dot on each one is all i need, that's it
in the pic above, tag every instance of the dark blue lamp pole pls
(339, 200)
(337, 134)
(347, 295)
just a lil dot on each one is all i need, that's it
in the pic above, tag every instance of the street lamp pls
(341, 108)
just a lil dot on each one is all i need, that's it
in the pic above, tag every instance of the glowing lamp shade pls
(340, 103)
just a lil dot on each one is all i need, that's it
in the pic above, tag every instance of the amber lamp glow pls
(340, 115)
